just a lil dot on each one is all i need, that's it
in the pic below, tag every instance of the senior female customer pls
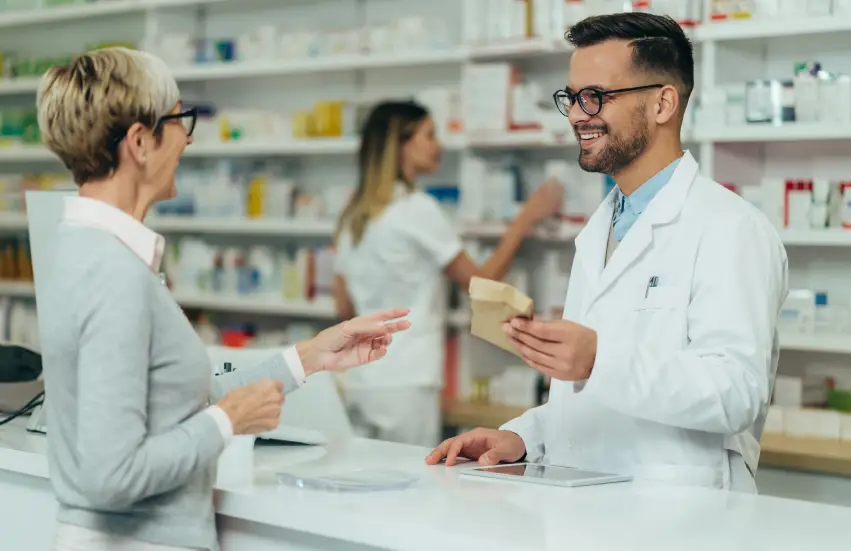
(136, 420)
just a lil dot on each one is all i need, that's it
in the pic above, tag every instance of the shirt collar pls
(142, 241)
(639, 199)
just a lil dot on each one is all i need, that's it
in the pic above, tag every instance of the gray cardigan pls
(131, 451)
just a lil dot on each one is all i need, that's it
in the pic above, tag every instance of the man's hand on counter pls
(355, 342)
(487, 446)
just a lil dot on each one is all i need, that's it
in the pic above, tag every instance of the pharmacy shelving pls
(559, 233)
(771, 27)
(806, 454)
(816, 238)
(65, 14)
(319, 64)
(21, 289)
(26, 154)
(803, 342)
(306, 147)
(320, 309)
(479, 414)
(518, 49)
(520, 139)
(292, 227)
(773, 133)
(287, 148)
(13, 221)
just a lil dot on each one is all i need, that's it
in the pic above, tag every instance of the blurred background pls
(283, 85)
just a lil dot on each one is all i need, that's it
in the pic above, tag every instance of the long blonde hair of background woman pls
(387, 128)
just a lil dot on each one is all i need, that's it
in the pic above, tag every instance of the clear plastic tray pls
(363, 480)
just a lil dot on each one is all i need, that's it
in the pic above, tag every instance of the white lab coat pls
(684, 369)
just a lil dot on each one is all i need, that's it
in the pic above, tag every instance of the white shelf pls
(522, 48)
(63, 14)
(320, 309)
(23, 85)
(313, 146)
(817, 238)
(13, 221)
(290, 227)
(562, 233)
(323, 64)
(522, 138)
(771, 133)
(771, 28)
(831, 344)
(16, 289)
(26, 154)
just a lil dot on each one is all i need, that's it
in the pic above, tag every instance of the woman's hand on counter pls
(355, 342)
(487, 446)
(255, 408)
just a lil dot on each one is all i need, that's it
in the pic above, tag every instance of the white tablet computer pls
(546, 474)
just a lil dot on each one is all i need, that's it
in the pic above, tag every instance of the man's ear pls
(667, 104)
(137, 142)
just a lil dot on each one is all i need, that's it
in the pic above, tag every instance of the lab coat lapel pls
(591, 241)
(663, 209)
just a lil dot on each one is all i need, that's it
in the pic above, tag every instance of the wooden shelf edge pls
(806, 454)
(474, 414)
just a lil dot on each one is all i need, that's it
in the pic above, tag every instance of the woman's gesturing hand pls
(352, 343)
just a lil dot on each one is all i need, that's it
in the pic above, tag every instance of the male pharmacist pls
(664, 362)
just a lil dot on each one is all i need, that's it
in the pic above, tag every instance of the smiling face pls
(612, 139)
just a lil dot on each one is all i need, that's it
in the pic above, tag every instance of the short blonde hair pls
(85, 108)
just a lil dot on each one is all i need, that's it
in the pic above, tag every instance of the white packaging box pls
(812, 423)
(799, 392)
(841, 7)
(818, 8)
(793, 8)
(766, 8)
(773, 200)
(485, 90)
(845, 427)
(774, 420)
(472, 202)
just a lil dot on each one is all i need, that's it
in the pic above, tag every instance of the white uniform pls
(400, 263)
(685, 362)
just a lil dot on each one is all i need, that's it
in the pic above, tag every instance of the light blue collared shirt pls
(628, 209)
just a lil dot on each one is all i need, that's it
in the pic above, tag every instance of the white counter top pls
(447, 512)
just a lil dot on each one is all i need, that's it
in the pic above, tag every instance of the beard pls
(620, 151)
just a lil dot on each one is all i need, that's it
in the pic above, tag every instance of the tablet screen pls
(549, 472)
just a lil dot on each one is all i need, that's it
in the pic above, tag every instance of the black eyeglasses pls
(187, 118)
(591, 99)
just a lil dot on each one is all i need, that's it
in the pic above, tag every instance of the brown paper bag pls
(493, 303)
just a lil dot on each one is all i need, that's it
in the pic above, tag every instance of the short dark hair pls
(659, 44)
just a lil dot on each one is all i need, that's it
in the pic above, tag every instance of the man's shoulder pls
(718, 203)
(722, 212)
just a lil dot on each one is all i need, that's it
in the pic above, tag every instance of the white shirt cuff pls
(223, 421)
(294, 363)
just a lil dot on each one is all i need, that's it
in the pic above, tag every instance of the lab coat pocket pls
(660, 317)
(660, 298)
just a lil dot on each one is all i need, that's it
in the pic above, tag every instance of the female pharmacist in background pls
(394, 245)
(136, 425)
